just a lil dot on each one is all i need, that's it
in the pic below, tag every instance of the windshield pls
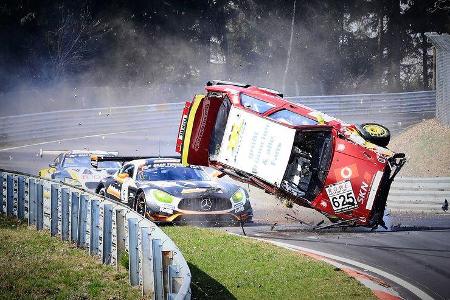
(84, 161)
(254, 104)
(291, 118)
(172, 173)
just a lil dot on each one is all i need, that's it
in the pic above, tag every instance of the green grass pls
(34, 265)
(224, 266)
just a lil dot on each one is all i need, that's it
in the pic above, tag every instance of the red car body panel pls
(349, 181)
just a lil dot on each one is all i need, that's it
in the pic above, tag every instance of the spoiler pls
(95, 159)
(93, 152)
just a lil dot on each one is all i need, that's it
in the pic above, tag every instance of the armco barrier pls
(108, 229)
(397, 111)
(416, 194)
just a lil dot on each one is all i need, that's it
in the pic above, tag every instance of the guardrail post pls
(9, 195)
(120, 234)
(39, 206)
(64, 214)
(94, 234)
(20, 197)
(74, 205)
(148, 284)
(157, 268)
(32, 202)
(54, 209)
(175, 281)
(82, 219)
(107, 233)
(133, 251)
(1, 192)
(167, 258)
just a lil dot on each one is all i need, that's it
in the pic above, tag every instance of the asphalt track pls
(417, 251)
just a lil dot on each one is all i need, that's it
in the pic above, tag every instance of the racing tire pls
(140, 204)
(375, 133)
(102, 191)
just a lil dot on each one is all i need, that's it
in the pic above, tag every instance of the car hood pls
(192, 189)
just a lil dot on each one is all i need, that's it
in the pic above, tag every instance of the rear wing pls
(94, 152)
(95, 159)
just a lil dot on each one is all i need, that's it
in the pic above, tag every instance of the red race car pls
(254, 135)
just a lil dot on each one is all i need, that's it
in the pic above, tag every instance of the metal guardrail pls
(397, 111)
(394, 110)
(414, 194)
(110, 230)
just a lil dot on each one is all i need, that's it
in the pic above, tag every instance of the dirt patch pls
(427, 147)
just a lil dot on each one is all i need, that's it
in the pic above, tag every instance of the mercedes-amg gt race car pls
(74, 167)
(165, 191)
(254, 135)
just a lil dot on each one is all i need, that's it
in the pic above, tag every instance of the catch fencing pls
(109, 230)
(397, 111)
(414, 194)
(442, 75)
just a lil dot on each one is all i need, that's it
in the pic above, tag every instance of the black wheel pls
(102, 191)
(375, 133)
(140, 205)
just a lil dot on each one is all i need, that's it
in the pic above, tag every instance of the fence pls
(108, 229)
(396, 111)
(419, 194)
(442, 78)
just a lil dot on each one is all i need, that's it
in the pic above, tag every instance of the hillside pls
(427, 147)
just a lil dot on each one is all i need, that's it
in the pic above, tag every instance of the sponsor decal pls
(238, 207)
(195, 190)
(373, 189)
(199, 135)
(362, 192)
(113, 191)
(346, 172)
(341, 196)
(166, 209)
(340, 147)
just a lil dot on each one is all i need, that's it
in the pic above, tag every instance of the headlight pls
(162, 196)
(239, 196)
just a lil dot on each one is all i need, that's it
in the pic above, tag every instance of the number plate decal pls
(341, 196)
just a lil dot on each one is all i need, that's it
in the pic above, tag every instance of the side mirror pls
(52, 165)
(123, 175)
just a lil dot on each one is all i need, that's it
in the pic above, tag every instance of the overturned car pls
(254, 135)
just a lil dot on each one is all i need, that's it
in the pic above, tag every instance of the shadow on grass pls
(204, 286)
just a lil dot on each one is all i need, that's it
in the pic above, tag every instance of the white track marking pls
(70, 139)
(408, 286)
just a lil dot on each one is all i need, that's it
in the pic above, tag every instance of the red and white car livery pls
(255, 136)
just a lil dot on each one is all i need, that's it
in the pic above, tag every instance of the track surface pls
(419, 252)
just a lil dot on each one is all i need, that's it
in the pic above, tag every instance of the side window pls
(291, 118)
(255, 104)
(129, 169)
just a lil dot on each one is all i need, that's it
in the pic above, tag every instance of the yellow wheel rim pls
(375, 130)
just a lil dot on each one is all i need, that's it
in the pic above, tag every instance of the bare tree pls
(73, 40)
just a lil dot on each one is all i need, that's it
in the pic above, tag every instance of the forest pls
(313, 47)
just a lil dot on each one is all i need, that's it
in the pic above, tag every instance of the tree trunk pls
(395, 44)
(426, 78)
(288, 58)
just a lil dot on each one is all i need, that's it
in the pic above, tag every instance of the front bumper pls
(202, 216)
(394, 166)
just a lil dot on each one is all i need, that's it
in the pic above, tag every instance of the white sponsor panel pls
(341, 196)
(374, 189)
(256, 145)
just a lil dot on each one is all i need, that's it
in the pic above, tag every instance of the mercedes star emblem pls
(206, 204)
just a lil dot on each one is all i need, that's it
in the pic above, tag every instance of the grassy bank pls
(230, 267)
(34, 266)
